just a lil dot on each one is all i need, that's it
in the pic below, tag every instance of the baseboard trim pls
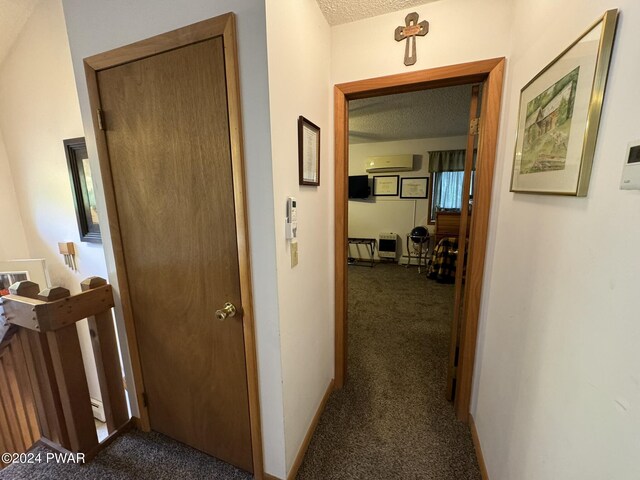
(307, 439)
(137, 423)
(266, 476)
(476, 444)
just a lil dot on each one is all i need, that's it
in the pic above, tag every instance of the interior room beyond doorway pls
(392, 413)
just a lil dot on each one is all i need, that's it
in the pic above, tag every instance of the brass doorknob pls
(229, 310)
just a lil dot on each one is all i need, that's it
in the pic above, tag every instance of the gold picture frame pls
(559, 116)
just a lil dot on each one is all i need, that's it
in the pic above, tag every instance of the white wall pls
(557, 384)
(459, 31)
(370, 217)
(95, 26)
(13, 243)
(38, 110)
(298, 39)
(558, 370)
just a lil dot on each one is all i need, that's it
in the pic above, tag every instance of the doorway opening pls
(400, 304)
(488, 75)
(411, 170)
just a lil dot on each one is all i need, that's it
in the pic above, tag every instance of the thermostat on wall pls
(631, 170)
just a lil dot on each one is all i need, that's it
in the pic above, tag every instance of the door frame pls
(221, 26)
(490, 72)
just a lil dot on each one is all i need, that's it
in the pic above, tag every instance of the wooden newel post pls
(41, 374)
(105, 349)
(71, 379)
(25, 288)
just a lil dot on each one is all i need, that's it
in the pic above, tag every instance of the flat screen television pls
(359, 186)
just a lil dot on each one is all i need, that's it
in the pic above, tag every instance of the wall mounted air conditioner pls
(390, 163)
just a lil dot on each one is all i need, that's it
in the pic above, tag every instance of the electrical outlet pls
(294, 254)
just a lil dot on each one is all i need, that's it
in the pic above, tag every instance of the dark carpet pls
(135, 455)
(391, 420)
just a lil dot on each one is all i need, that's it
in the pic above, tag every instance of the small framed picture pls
(308, 152)
(385, 185)
(414, 187)
(84, 197)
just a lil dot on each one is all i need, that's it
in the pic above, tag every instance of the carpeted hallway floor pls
(134, 455)
(391, 420)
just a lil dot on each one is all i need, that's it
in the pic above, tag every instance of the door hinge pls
(101, 122)
(474, 126)
(145, 399)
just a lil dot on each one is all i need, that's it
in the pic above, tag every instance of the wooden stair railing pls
(53, 363)
(18, 419)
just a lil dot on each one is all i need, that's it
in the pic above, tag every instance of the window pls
(446, 191)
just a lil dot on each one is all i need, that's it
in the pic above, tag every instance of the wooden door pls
(466, 213)
(168, 141)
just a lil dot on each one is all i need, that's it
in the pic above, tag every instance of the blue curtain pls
(447, 191)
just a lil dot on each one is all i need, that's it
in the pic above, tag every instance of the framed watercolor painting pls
(559, 116)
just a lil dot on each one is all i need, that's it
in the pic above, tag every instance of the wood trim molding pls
(268, 476)
(137, 423)
(478, 448)
(312, 428)
(223, 26)
(485, 165)
(462, 245)
(124, 428)
(242, 238)
(491, 72)
(197, 32)
(450, 75)
(341, 113)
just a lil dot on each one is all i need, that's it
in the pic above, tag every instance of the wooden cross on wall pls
(409, 32)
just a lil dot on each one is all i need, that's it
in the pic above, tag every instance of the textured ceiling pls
(13, 16)
(440, 112)
(345, 11)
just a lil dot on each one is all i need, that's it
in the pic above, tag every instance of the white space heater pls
(388, 245)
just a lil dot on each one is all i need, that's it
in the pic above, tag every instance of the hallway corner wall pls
(459, 31)
(14, 241)
(38, 110)
(557, 383)
(299, 84)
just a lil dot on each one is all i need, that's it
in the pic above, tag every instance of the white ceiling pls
(427, 114)
(345, 11)
(13, 16)
(440, 112)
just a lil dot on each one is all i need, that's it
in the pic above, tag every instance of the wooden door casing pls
(463, 235)
(491, 72)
